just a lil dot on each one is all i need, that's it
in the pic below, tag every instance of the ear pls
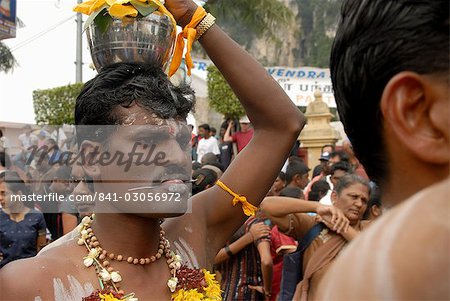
(333, 197)
(375, 211)
(90, 152)
(415, 108)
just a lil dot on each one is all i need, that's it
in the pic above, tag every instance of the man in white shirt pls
(208, 143)
(27, 138)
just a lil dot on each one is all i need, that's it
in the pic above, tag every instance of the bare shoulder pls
(403, 255)
(47, 276)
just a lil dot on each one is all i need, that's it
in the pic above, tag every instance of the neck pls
(15, 210)
(127, 234)
(403, 183)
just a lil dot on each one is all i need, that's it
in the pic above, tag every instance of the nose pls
(81, 189)
(176, 155)
(359, 203)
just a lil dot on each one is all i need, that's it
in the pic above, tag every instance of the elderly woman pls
(342, 220)
(22, 230)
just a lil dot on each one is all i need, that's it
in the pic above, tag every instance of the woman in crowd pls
(22, 230)
(350, 197)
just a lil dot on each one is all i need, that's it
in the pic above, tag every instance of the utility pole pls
(79, 59)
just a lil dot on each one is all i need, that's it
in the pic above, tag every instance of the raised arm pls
(276, 121)
(227, 136)
(278, 210)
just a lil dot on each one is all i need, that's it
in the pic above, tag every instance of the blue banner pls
(7, 19)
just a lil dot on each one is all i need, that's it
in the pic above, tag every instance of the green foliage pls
(221, 97)
(258, 17)
(7, 60)
(318, 21)
(56, 106)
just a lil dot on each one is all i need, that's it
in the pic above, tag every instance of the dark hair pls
(205, 126)
(295, 167)
(5, 160)
(14, 182)
(209, 158)
(196, 165)
(374, 200)
(282, 176)
(203, 177)
(213, 129)
(318, 188)
(292, 192)
(344, 166)
(376, 40)
(348, 180)
(341, 154)
(121, 85)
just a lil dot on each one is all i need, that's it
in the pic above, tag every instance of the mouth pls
(175, 182)
(354, 211)
(175, 178)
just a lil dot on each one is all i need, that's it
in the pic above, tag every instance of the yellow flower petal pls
(121, 11)
(89, 6)
(112, 2)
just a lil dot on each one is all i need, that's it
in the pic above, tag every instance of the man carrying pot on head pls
(147, 114)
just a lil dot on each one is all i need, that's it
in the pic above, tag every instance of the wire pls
(38, 35)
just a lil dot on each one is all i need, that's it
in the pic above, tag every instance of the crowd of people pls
(371, 223)
(250, 265)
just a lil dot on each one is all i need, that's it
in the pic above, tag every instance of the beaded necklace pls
(185, 283)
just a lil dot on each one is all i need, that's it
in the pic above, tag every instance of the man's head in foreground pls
(135, 119)
(390, 72)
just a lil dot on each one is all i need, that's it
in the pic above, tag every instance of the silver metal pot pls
(148, 40)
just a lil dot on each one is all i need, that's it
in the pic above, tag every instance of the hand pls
(335, 217)
(259, 230)
(258, 288)
(182, 10)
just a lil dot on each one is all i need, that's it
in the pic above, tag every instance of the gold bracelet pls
(204, 25)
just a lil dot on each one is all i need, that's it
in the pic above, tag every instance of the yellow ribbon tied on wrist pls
(248, 208)
(189, 32)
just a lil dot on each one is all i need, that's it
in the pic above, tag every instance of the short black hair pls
(374, 200)
(376, 40)
(344, 166)
(14, 182)
(203, 177)
(318, 188)
(122, 84)
(205, 126)
(292, 192)
(341, 154)
(295, 168)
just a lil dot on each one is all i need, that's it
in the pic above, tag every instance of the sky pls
(45, 62)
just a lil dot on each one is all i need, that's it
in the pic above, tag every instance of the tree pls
(318, 21)
(7, 60)
(221, 97)
(56, 106)
(247, 20)
(260, 17)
